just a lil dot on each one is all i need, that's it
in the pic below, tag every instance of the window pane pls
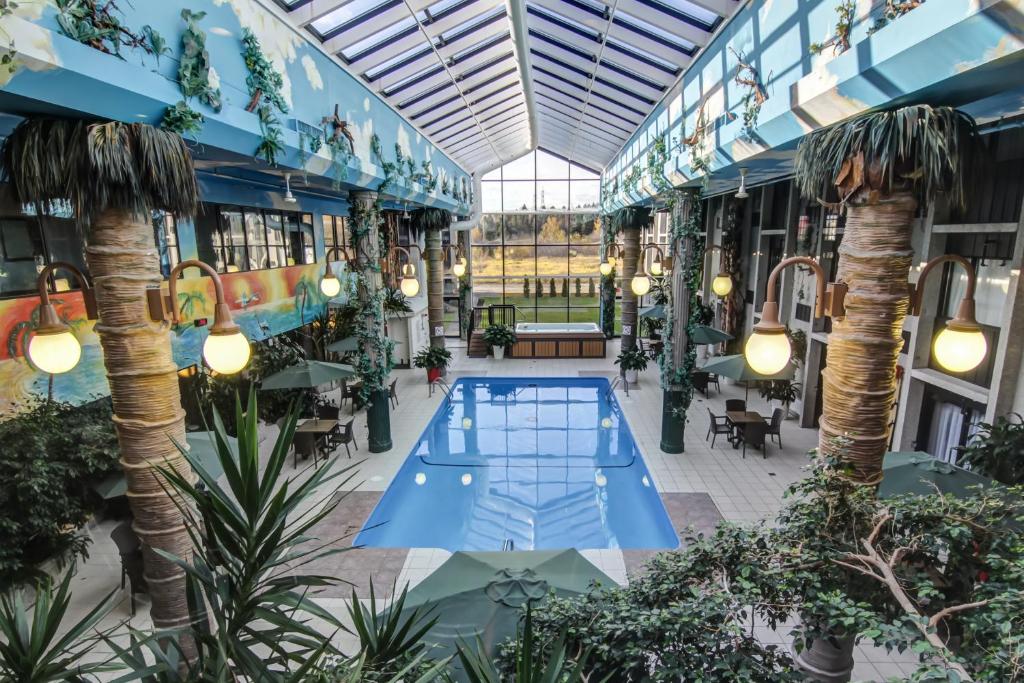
(585, 194)
(520, 169)
(552, 229)
(520, 260)
(257, 258)
(553, 194)
(491, 196)
(583, 260)
(233, 226)
(585, 290)
(277, 257)
(519, 228)
(486, 262)
(254, 233)
(584, 228)
(585, 315)
(487, 290)
(293, 237)
(208, 235)
(552, 315)
(552, 260)
(521, 291)
(518, 196)
(550, 166)
(308, 250)
(580, 173)
(22, 252)
(489, 230)
(236, 259)
(275, 229)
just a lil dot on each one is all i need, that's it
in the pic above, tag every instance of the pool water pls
(547, 463)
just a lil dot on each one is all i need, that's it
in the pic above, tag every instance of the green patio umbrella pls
(480, 594)
(921, 474)
(201, 444)
(344, 345)
(735, 367)
(655, 312)
(703, 334)
(307, 374)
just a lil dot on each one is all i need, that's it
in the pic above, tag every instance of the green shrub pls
(632, 359)
(54, 451)
(500, 335)
(526, 288)
(997, 450)
(578, 285)
(433, 357)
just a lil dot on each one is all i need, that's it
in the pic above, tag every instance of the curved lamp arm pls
(49, 321)
(163, 309)
(641, 267)
(826, 303)
(337, 248)
(965, 313)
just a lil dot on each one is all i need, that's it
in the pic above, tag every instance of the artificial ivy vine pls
(631, 181)
(183, 120)
(684, 233)
(749, 77)
(657, 157)
(8, 55)
(96, 24)
(696, 145)
(840, 41)
(341, 145)
(194, 67)
(375, 358)
(264, 83)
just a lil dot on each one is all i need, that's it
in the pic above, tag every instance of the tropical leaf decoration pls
(920, 146)
(96, 23)
(183, 120)
(194, 65)
(99, 166)
(156, 43)
(44, 648)
(429, 219)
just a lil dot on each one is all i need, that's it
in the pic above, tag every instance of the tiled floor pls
(698, 486)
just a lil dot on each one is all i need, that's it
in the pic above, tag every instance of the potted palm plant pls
(782, 390)
(433, 359)
(632, 361)
(499, 338)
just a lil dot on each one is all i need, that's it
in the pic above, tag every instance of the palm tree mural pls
(880, 164)
(114, 175)
(189, 304)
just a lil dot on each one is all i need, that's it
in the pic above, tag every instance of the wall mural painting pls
(264, 303)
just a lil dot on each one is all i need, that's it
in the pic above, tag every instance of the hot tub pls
(559, 340)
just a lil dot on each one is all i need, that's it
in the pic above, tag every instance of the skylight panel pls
(662, 34)
(473, 23)
(373, 74)
(699, 13)
(644, 55)
(347, 12)
(380, 38)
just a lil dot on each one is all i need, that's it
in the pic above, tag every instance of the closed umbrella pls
(921, 474)
(308, 374)
(703, 334)
(481, 594)
(345, 345)
(735, 367)
(202, 445)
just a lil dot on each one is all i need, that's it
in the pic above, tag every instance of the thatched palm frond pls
(100, 166)
(928, 147)
(430, 219)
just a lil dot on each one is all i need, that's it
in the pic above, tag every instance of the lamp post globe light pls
(330, 285)
(409, 285)
(605, 268)
(960, 346)
(53, 347)
(641, 284)
(721, 285)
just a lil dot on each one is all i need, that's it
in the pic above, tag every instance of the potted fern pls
(632, 361)
(433, 359)
(499, 338)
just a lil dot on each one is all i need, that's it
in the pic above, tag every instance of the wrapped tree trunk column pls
(375, 357)
(435, 289)
(859, 383)
(630, 254)
(143, 380)
(675, 370)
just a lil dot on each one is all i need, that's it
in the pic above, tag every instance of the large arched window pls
(537, 243)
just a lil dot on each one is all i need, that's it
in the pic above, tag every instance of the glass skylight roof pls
(597, 69)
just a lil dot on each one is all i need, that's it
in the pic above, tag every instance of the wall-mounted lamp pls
(641, 283)
(722, 284)
(405, 211)
(608, 264)
(961, 346)
(409, 284)
(226, 350)
(53, 348)
(288, 196)
(768, 350)
(741, 193)
(459, 261)
(330, 285)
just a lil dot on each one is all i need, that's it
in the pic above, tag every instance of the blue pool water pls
(547, 462)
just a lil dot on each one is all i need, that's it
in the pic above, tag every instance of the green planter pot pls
(378, 420)
(673, 427)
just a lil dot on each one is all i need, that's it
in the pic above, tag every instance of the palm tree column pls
(859, 383)
(123, 260)
(630, 254)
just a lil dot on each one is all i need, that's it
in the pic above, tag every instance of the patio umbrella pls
(344, 345)
(202, 446)
(921, 474)
(703, 334)
(735, 367)
(480, 594)
(307, 374)
(655, 312)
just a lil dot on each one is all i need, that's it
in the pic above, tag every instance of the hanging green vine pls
(8, 55)
(840, 41)
(631, 181)
(194, 66)
(697, 147)
(264, 83)
(683, 232)
(892, 10)
(97, 24)
(749, 77)
(657, 157)
(183, 120)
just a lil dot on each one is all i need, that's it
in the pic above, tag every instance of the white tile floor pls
(744, 489)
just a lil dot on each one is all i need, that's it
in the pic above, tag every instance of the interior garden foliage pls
(997, 450)
(265, 98)
(54, 452)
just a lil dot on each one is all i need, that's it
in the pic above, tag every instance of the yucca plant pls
(44, 649)
(530, 666)
(251, 601)
(388, 639)
(880, 164)
(114, 174)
